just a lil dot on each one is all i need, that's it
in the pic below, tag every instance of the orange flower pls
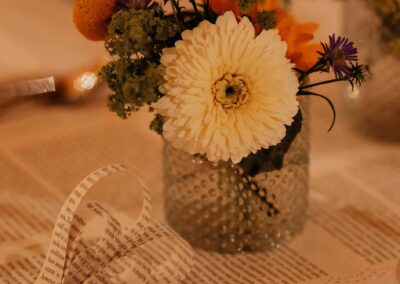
(297, 36)
(91, 17)
(221, 6)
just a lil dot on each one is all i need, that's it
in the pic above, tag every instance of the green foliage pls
(142, 89)
(389, 11)
(157, 124)
(134, 84)
(144, 32)
(267, 20)
(246, 5)
(266, 160)
(136, 39)
(388, 8)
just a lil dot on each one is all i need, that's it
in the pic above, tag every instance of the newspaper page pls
(352, 234)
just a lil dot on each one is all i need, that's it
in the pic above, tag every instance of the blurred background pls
(40, 39)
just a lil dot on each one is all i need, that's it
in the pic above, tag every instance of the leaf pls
(266, 160)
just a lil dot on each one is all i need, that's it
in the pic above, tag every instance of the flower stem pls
(319, 66)
(196, 11)
(299, 71)
(206, 8)
(307, 93)
(271, 205)
(176, 10)
(323, 83)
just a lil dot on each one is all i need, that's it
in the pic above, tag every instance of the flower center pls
(231, 91)
(339, 56)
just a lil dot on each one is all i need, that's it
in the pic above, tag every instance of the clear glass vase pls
(217, 208)
(374, 26)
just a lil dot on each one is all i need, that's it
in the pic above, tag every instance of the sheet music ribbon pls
(145, 252)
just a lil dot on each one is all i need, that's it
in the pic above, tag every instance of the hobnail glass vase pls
(215, 207)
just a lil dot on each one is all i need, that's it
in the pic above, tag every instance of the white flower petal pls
(196, 121)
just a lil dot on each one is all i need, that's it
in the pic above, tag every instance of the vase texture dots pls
(215, 207)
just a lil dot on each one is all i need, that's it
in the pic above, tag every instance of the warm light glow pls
(354, 93)
(85, 82)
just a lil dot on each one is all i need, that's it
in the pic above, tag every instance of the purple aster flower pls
(359, 73)
(338, 53)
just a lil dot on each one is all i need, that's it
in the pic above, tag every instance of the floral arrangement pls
(389, 11)
(222, 77)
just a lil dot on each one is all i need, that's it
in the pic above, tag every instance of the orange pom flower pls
(91, 17)
(297, 36)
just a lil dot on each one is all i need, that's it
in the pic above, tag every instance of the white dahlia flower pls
(227, 92)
